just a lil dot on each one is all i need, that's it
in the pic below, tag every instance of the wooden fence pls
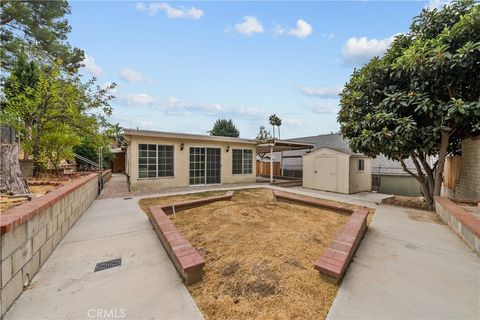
(451, 171)
(263, 168)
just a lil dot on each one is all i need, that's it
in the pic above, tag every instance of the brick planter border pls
(336, 258)
(460, 220)
(188, 262)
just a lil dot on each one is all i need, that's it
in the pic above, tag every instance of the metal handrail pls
(86, 160)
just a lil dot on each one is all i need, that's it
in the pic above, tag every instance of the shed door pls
(325, 173)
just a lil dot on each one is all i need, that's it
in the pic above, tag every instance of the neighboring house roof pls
(334, 141)
(175, 135)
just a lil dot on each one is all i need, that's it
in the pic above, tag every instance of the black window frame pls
(242, 161)
(156, 161)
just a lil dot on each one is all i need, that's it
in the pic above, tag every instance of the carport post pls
(271, 164)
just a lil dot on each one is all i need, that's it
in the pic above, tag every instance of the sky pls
(179, 66)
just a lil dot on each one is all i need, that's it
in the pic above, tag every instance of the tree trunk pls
(11, 180)
(442, 154)
(420, 176)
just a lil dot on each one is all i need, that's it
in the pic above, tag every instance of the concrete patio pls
(409, 266)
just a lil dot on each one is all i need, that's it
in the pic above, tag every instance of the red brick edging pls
(336, 258)
(467, 220)
(188, 262)
(20, 214)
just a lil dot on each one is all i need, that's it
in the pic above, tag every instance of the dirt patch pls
(38, 186)
(430, 217)
(408, 202)
(7, 202)
(259, 256)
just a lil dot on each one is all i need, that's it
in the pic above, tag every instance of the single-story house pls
(386, 176)
(337, 170)
(158, 160)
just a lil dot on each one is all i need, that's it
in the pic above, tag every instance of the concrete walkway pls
(409, 266)
(145, 286)
(116, 187)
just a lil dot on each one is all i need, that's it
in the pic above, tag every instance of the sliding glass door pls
(205, 165)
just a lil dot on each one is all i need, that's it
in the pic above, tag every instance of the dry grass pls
(259, 257)
(145, 203)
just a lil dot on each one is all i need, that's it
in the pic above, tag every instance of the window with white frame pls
(242, 161)
(155, 161)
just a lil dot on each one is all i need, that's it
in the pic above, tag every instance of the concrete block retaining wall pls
(462, 222)
(31, 231)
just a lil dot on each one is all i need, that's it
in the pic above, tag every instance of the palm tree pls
(278, 123)
(272, 121)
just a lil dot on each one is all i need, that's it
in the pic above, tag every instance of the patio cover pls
(272, 146)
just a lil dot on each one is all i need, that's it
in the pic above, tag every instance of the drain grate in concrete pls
(108, 264)
(127, 198)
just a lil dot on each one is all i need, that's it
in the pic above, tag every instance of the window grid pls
(213, 165)
(155, 161)
(242, 161)
(197, 165)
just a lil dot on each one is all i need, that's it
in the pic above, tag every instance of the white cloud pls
(91, 66)
(171, 12)
(328, 36)
(279, 30)
(303, 29)
(131, 75)
(357, 51)
(323, 92)
(324, 107)
(138, 99)
(112, 91)
(294, 122)
(249, 26)
(251, 113)
(437, 4)
(176, 106)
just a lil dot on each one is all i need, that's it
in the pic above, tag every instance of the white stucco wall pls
(182, 164)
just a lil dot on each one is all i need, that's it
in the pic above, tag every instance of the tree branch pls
(402, 162)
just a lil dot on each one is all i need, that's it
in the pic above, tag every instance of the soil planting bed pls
(259, 256)
(408, 202)
(37, 187)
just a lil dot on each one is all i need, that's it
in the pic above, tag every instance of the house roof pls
(332, 141)
(187, 136)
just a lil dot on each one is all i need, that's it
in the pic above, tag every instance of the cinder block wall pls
(468, 186)
(31, 231)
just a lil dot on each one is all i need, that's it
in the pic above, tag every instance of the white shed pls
(331, 170)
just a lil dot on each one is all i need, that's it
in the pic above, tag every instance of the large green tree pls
(422, 97)
(38, 28)
(224, 128)
(56, 100)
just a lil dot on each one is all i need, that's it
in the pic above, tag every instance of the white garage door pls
(325, 173)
